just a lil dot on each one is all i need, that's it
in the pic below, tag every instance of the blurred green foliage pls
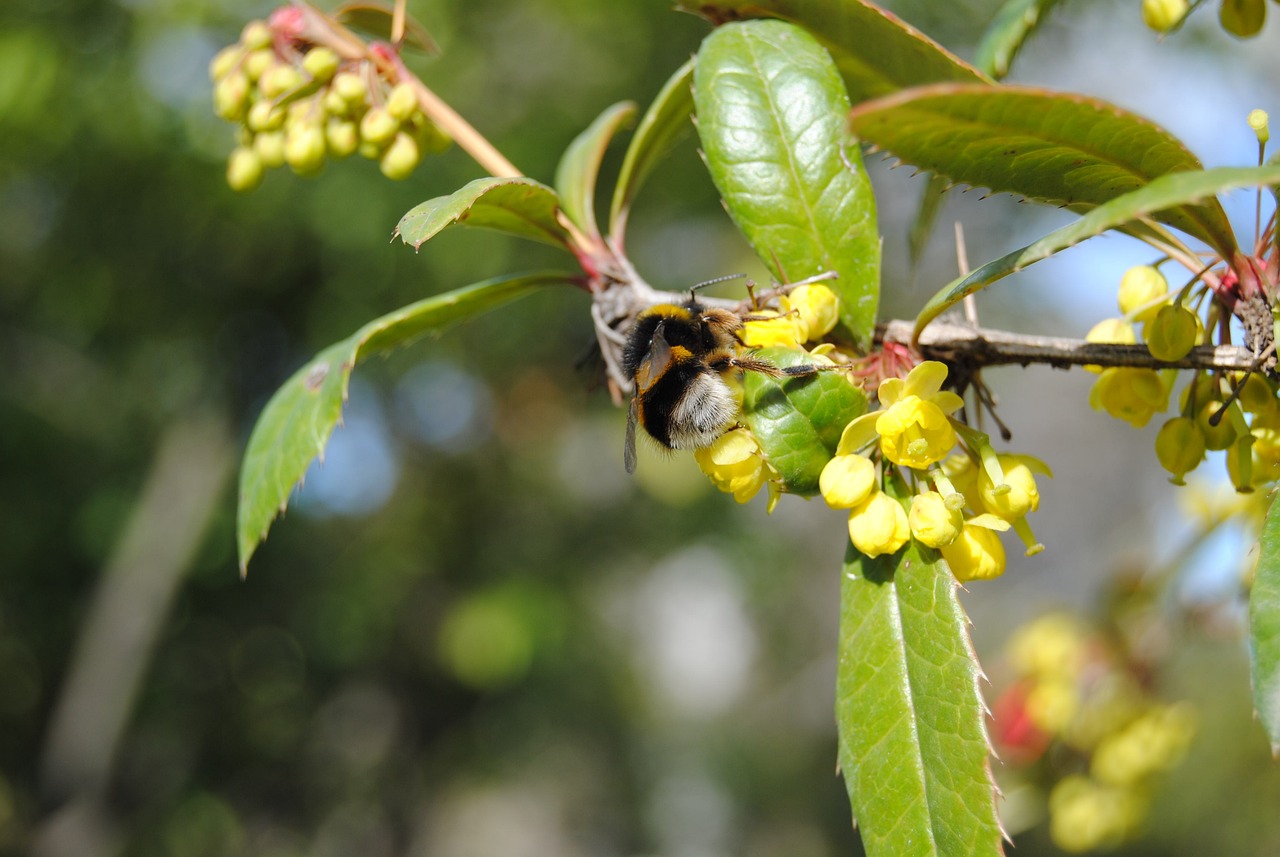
(501, 645)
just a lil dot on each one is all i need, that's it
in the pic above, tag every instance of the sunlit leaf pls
(771, 117)
(1008, 32)
(296, 423)
(516, 206)
(1057, 148)
(1178, 189)
(664, 124)
(913, 744)
(876, 52)
(798, 421)
(1264, 628)
(579, 166)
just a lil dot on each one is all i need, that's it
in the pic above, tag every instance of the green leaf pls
(1057, 148)
(798, 421)
(1264, 628)
(1008, 32)
(771, 117)
(664, 124)
(913, 745)
(876, 52)
(518, 206)
(1165, 192)
(295, 425)
(579, 166)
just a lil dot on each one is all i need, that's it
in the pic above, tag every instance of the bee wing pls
(656, 361)
(629, 449)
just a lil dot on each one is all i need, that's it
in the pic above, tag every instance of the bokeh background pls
(473, 634)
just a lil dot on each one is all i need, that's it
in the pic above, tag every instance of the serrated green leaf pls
(296, 423)
(771, 111)
(1008, 32)
(1264, 628)
(517, 206)
(798, 421)
(579, 166)
(664, 124)
(1057, 148)
(913, 744)
(876, 52)
(1178, 189)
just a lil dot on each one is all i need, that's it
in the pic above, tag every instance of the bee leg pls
(629, 449)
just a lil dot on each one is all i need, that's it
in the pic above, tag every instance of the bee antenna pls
(706, 283)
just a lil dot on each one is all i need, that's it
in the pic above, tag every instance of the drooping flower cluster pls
(1231, 412)
(914, 431)
(1074, 708)
(299, 102)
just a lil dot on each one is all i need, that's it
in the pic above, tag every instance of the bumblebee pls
(677, 357)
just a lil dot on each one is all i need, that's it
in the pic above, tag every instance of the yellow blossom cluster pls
(1072, 694)
(913, 429)
(1235, 413)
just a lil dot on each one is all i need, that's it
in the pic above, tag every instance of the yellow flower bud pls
(1141, 289)
(270, 148)
(879, 525)
(1132, 395)
(1180, 447)
(1112, 330)
(1085, 815)
(818, 308)
(976, 554)
(320, 63)
(231, 96)
(265, 116)
(1221, 435)
(402, 101)
(1163, 15)
(304, 148)
(280, 78)
(1052, 704)
(350, 87)
(1258, 121)
(244, 170)
(768, 329)
(224, 61)
(255, 34)
(342, 137)
(1257, 395)
(1050, 647)
(1172, 333)
(378, 126)
(932, 521)
(1021, 496)
(256, 62)
(401, 158)
(847, 480)
(1243, 18)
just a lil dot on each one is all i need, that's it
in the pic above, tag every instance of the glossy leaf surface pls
(516, 206)
(913, 745)
(1178, 189)
(798, 421)
(1057, 148)
(1264, 628)
(296, 423)
(771, 117)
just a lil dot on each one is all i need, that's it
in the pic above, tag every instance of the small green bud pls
(1257, 396)
(402, 102)
(350, 87)
(1163, 15)
(1243, 18)
(1172, 333)
(303, 112)
(321, 63)
(342, 137)
(231, 96)
(265, 116)
(378, 126)
(304, 148)
(371, 151)
(401, 158)
(270, 148)
(257, 62)
(1258, 121)
(278, 79)
(334, 104)
(1216, 437)
(1141, 289)
(1180, 447)
(256, 34)
(224, 61)
(244, 170)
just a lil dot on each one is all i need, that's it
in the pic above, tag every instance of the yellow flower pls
(914, 429)
(1132, 395)
(977, 554)
(817, 307)
(767, 328)
(735, 465)
(1085, 815)
(879, 525)
(1022, 496)
(1110, 330)
(1180, 447)
(1051, 647)
(847, 480)
(932, 522)
(1142, 291)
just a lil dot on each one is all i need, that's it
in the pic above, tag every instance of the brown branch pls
(977, 347)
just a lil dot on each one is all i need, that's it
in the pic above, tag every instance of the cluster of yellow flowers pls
(299, 104)
(1235, 412)
(913, 430)
(1072, 693)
